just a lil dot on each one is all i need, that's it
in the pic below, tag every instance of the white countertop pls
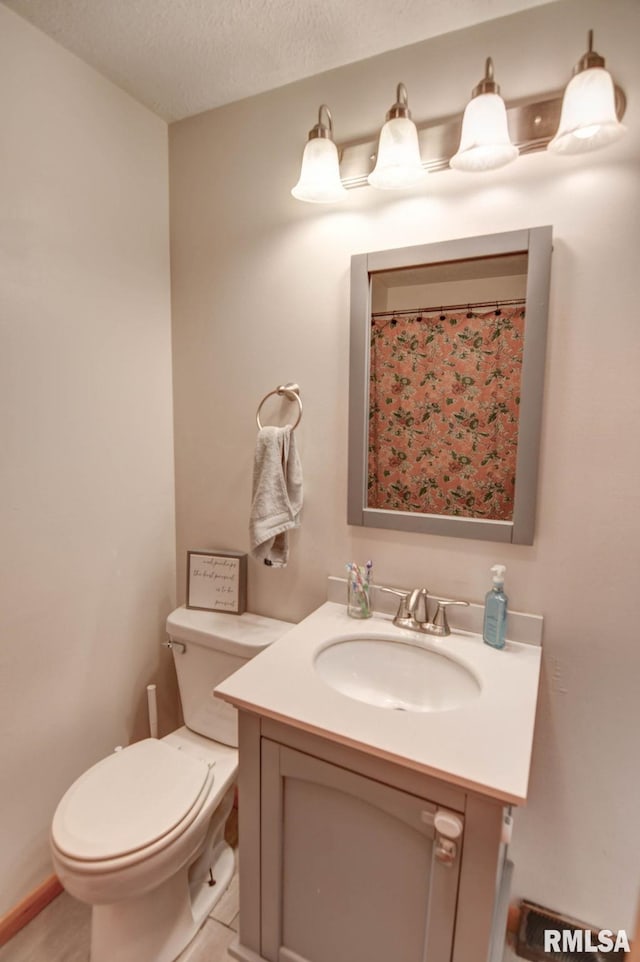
(484, 745)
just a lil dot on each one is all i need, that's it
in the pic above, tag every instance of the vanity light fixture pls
(398, 161)
(319, 181)
(491, 135)
(485, 143)
(588, 120)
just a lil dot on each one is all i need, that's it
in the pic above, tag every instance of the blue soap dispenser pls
(495, 610)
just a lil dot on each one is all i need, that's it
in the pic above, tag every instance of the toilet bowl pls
(140, 835)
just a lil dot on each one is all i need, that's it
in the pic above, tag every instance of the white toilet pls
(140, 835)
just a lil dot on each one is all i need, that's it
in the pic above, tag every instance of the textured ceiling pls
(180, 57)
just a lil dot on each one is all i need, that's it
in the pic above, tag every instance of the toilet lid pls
(128, 801)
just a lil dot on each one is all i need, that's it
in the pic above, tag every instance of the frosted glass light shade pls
(319, 181)
(398, 163)
(484, 142)
(588, 119)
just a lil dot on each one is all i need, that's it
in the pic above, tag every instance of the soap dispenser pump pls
(495, 610)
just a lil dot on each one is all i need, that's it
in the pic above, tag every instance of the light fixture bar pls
(532, 122)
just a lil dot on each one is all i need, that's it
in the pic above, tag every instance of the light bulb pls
(588, 119)
(319, 181)
(485, 143)
(398, 161)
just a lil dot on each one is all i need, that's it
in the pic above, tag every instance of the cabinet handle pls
(446, 851)
(449, 827)
(448, 824)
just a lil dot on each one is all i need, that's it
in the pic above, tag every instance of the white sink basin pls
(394, 673)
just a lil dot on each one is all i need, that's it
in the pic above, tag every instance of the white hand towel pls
(277, 495)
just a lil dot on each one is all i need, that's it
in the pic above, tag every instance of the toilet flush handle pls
(177, 645)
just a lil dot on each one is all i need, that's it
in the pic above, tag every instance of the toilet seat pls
(134, 801)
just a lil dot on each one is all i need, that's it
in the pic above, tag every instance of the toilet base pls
(156, 927)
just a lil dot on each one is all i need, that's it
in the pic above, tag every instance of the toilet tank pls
(211, 645)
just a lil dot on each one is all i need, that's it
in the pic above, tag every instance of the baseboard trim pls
(238, 951)
(30, 906)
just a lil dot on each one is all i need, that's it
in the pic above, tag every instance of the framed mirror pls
(446, 382)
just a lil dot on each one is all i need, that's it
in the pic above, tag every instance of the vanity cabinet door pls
(351, 869)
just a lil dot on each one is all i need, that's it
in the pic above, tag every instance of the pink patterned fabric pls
(443, 412)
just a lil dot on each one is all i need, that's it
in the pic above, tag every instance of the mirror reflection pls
(444, 387)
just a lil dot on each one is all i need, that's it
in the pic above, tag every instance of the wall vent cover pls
(535, 920)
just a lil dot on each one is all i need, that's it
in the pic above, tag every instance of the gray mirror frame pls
(537, 242)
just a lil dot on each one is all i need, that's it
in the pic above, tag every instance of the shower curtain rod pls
(449, 307)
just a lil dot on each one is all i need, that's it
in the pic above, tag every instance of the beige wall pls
(86, 472)
(453, 292)
(260, 288)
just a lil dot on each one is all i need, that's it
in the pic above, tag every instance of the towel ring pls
(292, 393)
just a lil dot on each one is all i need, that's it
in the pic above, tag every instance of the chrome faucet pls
(405, 616)
(414, 603)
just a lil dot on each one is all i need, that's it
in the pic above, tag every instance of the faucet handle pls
(440, 621)
(404, 610)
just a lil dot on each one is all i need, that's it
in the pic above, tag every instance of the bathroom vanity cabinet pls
(347, 857)
(369, 834)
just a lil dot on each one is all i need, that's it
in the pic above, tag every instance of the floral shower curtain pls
(443, 412)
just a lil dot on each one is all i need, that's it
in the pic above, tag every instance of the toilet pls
(140, 835)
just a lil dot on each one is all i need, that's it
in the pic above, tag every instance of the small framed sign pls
(217, 581)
